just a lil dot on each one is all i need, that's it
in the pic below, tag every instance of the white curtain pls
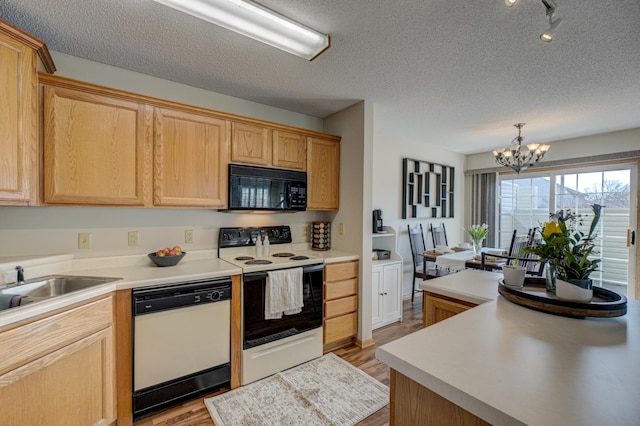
(484, 202)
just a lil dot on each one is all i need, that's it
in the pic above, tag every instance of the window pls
(526, 201)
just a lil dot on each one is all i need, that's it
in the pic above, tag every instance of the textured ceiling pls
(456, 74)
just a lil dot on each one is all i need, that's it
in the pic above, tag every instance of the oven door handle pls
(254, 276)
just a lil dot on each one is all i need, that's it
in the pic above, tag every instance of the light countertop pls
(511, 365)
(131, 272)
(470, 285)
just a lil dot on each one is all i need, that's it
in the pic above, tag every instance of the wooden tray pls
(533, 295)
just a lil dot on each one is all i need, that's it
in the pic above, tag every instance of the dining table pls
(456, 260)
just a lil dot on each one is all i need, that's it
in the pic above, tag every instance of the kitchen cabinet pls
(59, 369)
(20, 56)
(386, 293)
(340, 304)
(436, 307)
(190, 159)
(386, 282)
(268, 147)
(289, 150)
(109, 147)
(323, 174)
(97, 147)
(250, 144)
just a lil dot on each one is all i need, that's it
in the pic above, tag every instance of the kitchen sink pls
(49, 286)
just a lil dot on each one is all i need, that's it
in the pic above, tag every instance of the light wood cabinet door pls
(18, 122)
(289, 150)
(323, 174)
(190, 159)
(436, 308)
(59, 370)
(97, 149)
(250, 144)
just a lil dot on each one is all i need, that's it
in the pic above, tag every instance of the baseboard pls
(364, 344)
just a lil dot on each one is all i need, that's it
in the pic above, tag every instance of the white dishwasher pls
(181, 342)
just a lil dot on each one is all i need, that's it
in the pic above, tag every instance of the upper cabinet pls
(268, 147)
(289, 150)
(20, 57)
(107, 147)
(250, 144)
(97, 148)
(190, 159)
(323, 174)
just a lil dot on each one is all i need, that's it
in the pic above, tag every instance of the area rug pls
(323, 391)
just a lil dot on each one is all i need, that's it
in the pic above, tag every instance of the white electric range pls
(272, 345)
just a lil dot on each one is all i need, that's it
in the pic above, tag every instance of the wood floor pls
(194, 413)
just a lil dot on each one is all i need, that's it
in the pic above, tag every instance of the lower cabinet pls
(59, 370)
(436, 307)
(340, 303)
(386, 294)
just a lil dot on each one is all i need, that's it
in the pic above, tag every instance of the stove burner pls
(257, 262)
(299, 258)
(285, 254)
(244, 258)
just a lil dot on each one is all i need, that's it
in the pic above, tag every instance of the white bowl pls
(464, 245)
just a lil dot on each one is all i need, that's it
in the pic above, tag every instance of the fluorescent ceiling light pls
(510, 2)
(259, 23)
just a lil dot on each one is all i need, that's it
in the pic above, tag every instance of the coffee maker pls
(377, 221)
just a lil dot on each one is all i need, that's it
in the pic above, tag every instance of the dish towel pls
(9, 301)
(454, 262)
(283, 293)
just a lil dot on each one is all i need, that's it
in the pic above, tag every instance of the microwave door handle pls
(287, 195)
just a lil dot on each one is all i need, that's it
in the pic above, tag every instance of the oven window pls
(258, 331)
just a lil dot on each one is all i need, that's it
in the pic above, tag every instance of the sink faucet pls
(20, 278)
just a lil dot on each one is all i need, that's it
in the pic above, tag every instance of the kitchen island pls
(504, 364)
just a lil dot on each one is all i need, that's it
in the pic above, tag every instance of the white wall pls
(388, 153)
(54, 230)
(355, 124)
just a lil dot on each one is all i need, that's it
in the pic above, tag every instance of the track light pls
(550, 8)
(547, 35)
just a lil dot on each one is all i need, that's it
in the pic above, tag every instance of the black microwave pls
(261, 188)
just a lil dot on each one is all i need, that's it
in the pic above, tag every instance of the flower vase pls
(551, 275)
(477, 247)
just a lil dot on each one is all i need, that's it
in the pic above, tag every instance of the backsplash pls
(33, 231)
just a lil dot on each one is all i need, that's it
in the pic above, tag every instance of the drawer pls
(340, 327)
(339, 289)
(340, 271)
(26, 343)
(342, 306)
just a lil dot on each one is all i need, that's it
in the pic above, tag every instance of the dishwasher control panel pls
(154, 299)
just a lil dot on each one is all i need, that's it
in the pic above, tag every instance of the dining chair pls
(416, 240)
(438, 235)
(530, 261)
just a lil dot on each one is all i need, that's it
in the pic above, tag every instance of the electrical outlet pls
(305, 230)
(84, 240)
(188, 236)
(133, 238)
(341, 228)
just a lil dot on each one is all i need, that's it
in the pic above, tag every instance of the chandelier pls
(518, 158)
